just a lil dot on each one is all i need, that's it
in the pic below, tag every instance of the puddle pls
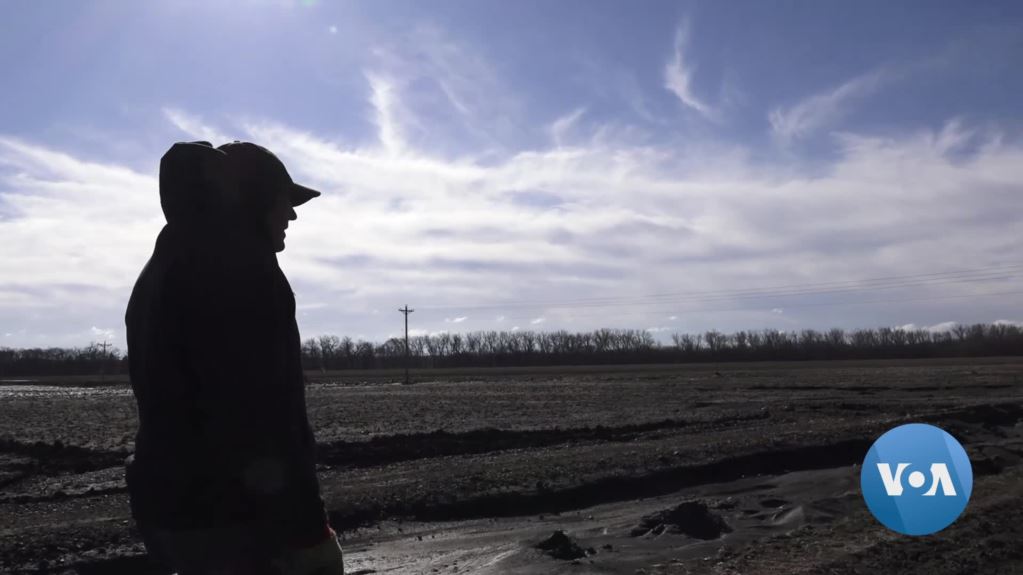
(508, 545)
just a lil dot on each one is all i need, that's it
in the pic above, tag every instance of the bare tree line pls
(602, 346)
(90, 360)
(480, 349)
(609, 346)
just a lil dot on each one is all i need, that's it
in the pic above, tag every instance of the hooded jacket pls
(214, 362)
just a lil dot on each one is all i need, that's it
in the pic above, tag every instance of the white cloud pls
(72, 223)
(383, 98)
(942, 327)
(777, 311)
(559, 128)
(1016, 323)
(630, 219)
(678, 74)
(464, 97)
(659, 329)
(459, 319)
(195, 127)
(823, 109)
(104, 334)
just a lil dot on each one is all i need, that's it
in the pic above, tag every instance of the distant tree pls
(329, 345)
(365, 355)
(346, 351)
(311, 357)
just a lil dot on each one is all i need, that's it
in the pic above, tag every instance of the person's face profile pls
(278, 217)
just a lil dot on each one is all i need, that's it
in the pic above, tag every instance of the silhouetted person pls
(223, 477)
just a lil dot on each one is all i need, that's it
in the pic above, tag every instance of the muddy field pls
(693, 469)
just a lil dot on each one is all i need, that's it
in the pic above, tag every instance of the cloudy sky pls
(672, 166)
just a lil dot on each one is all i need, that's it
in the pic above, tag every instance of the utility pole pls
(103, 362)
(405, 310)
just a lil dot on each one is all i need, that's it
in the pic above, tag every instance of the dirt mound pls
(691, 518)
(561, 546)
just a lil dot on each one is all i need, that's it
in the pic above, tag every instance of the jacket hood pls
(203, 202)
(195, 185)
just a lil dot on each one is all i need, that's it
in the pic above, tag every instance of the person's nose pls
(291, 214)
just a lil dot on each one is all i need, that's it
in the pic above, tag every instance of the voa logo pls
(893, 484)
(916, 479)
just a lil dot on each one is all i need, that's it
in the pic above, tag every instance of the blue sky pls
(532, 165)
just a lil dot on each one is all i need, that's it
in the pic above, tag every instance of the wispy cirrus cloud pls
(629, 220)
(678, 73)
(466, 99)
(193, 125)
(825, 108)
(383, 97)
(495, 174)
(560, 128)
(627, 211)
(438, 208)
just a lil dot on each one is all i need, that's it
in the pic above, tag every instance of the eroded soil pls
(468, 476)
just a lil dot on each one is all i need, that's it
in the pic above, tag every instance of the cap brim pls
(301, 194)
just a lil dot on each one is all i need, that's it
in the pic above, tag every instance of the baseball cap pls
(260, 164)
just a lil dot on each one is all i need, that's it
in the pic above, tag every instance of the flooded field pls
(565, 471)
